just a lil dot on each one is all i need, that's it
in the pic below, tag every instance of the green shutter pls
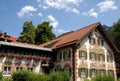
(79, 54)
(79, 72)
(103, 57)
(85, 55)
(86, 70)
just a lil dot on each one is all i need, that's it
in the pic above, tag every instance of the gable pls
(76, 36)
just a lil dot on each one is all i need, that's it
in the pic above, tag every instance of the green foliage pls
(30, 76)
(44, 33)
(103, 78)
(32, 35)
(1, 76)
(21, 76)
(28, 33)
(116, 33)
(8, 79)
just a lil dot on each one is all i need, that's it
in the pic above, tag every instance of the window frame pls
(7, 71)
(82, 55)
(101, 57)
(83, 72)
(92, 40)
(91, 72)
(91, 58)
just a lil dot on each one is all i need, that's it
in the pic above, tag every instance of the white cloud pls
(107, 5)
(52, 20)
(74, 10)
(40, 14)
(26, 10)
(91, 12)
(67, 5)
(60, 31)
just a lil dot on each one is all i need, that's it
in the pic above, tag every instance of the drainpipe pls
(74, 63)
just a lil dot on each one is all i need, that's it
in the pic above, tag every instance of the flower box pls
(19, 57)
(10, 56)
(2, 55)
(36, 58)
(28, 57)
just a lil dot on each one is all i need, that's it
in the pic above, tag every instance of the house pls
(84, 53)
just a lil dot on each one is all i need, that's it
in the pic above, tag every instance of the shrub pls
(21, 76)
(55, 76)
(104, 78)
(1, 76)
(8, 79)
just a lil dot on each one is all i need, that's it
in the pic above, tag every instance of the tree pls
(116, 33)
(44, 33)
(116, 37)
(28, 33)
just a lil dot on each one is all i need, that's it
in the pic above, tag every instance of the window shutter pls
(86, 70)
(79, 54)
(85, 55)
(98, 57)
(79, 72)
(103, 57)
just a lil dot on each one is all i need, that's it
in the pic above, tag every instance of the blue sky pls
(64, 15)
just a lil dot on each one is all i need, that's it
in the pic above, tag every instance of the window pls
(67, 54)
(30, 69)
(92, 40)
(7, 70)
(82, 55)
(92, 56)
(109, 58)
(110, 72)
(101, 57)
(102, 71)
(100, 42)
(93, 72)
(59, 55)
(82, 72)
(18, 68)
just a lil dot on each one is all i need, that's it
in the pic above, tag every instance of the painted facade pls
(84, 53)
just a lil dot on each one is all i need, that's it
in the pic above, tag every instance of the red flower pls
(19, 56)
(44, 59)
(36, 58)
(28, 57)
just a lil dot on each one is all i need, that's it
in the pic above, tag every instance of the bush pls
(8, 79)
(55, 76)
(21, 76)
(1, 76)
(30, 76)
(104, 78)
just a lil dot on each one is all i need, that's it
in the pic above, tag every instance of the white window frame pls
(93, 72)
(7, 71)
(83, 72)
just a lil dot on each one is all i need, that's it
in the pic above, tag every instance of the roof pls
(76, 36)
(24, 45)
(8, 38)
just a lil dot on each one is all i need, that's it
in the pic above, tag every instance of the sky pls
(63, 15)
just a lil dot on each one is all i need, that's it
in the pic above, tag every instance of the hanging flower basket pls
(19, 57)
(28, 57)
(36, 58)
(10, 56)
